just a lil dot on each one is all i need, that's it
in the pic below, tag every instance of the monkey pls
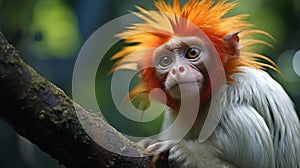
(187, 50)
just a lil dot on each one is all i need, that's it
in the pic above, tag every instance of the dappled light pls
(296, 63)
(58, 27)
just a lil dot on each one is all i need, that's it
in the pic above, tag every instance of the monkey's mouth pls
(179, 84)
(184, 88)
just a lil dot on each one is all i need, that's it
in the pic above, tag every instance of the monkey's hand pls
(159, 147)
(146, 142)
(194, 154)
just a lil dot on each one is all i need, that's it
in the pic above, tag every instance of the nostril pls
(181, 69)
(173, 71)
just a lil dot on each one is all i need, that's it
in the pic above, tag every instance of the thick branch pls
(42, 113)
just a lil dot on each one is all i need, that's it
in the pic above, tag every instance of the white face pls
(179, 63)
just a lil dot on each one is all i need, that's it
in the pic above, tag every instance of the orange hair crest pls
(173, 20)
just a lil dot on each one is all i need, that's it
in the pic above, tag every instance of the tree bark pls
(42, 113)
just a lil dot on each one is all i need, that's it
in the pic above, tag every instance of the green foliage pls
(58, 26)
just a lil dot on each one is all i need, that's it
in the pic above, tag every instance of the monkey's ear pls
(232, 41)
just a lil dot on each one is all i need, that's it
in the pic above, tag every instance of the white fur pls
(258, 128)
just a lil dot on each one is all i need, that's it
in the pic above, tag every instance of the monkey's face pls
(180, 66)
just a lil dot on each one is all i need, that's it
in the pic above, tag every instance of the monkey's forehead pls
(176, 43)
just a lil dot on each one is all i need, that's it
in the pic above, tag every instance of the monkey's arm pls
(244, 138)
(241, 127)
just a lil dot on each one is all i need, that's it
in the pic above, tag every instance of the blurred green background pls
(50, 33)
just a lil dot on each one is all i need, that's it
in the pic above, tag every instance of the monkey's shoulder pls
(259, 90)
(257, 85)
(252, 77)
(266, 104)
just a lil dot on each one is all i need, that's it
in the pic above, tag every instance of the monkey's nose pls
(178, 70)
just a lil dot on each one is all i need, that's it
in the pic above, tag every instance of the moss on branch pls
(42, 113)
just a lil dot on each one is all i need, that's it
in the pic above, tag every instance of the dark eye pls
(192, 53)
(165, 61)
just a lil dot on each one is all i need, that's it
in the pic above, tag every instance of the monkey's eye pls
(192, 53)
(165, 61)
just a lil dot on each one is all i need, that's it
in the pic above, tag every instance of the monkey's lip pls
(177, 85)
(189, 88)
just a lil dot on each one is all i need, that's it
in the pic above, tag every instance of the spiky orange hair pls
(161, 25)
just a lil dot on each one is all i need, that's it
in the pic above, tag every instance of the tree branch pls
(42, 113)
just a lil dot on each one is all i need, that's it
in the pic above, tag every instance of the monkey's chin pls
(182, 90)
